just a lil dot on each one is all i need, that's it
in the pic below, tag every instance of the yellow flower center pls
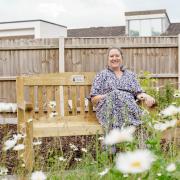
(136, 164)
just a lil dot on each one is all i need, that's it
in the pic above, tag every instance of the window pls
(145, 27)
(156, 28)
(134, 28)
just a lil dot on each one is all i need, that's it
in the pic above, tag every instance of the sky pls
(82, 13)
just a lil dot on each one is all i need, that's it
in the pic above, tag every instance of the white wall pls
(17, 32)
(39, 29)
(48, 30)
(18, 29)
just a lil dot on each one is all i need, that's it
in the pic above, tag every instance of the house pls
(138, 23)
(31, 29)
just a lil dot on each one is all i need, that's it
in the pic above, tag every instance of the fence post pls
(178, 61)
(61, 69)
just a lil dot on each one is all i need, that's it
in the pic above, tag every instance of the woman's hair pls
(119, 49)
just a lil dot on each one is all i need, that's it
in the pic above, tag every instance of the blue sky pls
(82, 13)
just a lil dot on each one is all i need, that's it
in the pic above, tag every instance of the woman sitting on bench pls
(114, 93)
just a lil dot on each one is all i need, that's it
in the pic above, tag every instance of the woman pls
(114, 93)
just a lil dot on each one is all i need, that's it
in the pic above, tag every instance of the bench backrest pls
(69, 90)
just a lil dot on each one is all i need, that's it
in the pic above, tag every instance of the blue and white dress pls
(119, 105)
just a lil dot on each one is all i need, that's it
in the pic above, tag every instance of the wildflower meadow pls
(131, 153)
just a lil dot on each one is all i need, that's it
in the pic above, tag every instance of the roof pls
(97, 31)
(146, 12)
(173, 29)
(34, 20)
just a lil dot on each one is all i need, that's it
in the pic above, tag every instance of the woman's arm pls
(96, 99)
(149, 100)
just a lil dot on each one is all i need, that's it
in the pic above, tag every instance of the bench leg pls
(26, 127)
(29, 152)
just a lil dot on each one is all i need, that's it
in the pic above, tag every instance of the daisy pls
(29, 120)
(177, 95)
(73, 147)
(157, 89)
(9, 144)
(38, 175)
(3, 171)
(101, 138)
(84, 150)
(61, 158)
(171, 167)
(169, 111)
(37, 143)
(18, 147)
(52, 104)
(78, 159)
(117, 135)
(159, 174)
(23, 165)
(104, 172)
(163, 126)
(18, 136)
(134, 162)
(53, 114)
(125, 175)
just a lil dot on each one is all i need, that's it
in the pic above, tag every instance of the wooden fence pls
(158, 55)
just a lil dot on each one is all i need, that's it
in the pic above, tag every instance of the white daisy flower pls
(117, 135)
(29, 120)
(53, 114)
(169, 111)
(78, 159)
(135, 162)
(104, 172)
(171, 167)
(160, 126)
(18, 147)
(157, 89)
(3, 171)
(177, 95)
(125, 175)
(61, 158)
(9, 144)
(23, 165)
(52, 104)
(101, 138)
(38, 175)
(73, 147)
(19, 136)
(165, 125)
(36, 143)
(84, 150)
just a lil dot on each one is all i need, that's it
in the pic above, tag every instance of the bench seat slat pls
(66, 128)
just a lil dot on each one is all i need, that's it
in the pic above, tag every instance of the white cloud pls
(81, 13)
(51, 9)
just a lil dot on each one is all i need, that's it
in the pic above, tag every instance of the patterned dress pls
(119, 106)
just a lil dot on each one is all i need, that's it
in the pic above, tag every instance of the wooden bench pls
(71, 116)
(74, 115)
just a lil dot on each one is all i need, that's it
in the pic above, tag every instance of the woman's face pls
(114, 59)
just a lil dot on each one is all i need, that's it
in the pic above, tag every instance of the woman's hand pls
(149, 100)
(97, 98)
